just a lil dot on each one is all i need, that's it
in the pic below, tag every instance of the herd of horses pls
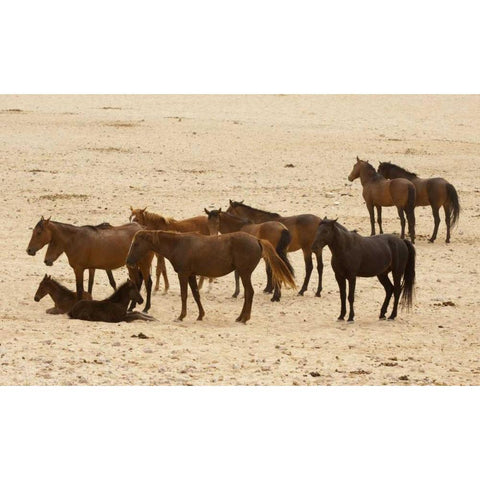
(235, 240)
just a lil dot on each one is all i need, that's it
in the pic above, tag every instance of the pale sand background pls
(86, 159)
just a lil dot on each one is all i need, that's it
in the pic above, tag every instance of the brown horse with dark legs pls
(379, 192)
(153, 221)
(63, 298)
(274, 232)
(436, 192)
(302, 228)
(356, 256)
(54, 251)
(113, 308)
(90, 247)
(211, 256)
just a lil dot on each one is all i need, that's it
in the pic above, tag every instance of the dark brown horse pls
(275, 232)
(379, 192)
(63, 298)
(91, 247)
(54, 251)
(211, 256)
(436, 192)
(113, 308)
(302, 229)
(356, 256)
(153, 221)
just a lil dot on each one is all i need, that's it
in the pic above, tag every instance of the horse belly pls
(375, 262)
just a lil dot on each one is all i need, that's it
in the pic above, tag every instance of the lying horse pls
(113, 308)
(89, 247)
(211, 256)
(63, 298)
(275, 232)
(356, 256)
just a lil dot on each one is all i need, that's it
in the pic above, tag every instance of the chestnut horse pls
(63, 298)
(275, 232)
(89, 247)
(379, 192)
(153, 221)
(436, 192)
(356, 256)
(302, 229)
(211, 256)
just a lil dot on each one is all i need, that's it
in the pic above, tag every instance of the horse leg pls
(148, 286)
(401, 214)
(388, 286)
(307, 255)
(247, 303)
(277, 294)
(379, 218)
(319, 256)
(183, 279)
(372, 218)
(200, 282)
(111, 280)
(448, 213)
(269, 287)
(53, 311)
(436, 219)
(411, 224)
(192, 281)
(397, 290)
(237, 285)
(342, 286)
(79, 282)
(137, 278)
(351, 296)
(158, 272)
(91, 276)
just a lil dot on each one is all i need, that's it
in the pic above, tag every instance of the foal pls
(356, 256)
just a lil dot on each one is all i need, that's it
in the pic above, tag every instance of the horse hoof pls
(300, 293)
(274, 299)
(318, 294)
(199, 319)
(178, 319)
(267, 290)
(382, 317)
(391, 318)
(447, 241)
(340, 319)
(431, 240)
(350, 320)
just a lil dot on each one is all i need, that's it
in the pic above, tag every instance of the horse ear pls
(206, 211)
(143, 211)
(131, 208)
(220, 210)
(48, 219)
(358, 159)
(242, 201)
(231, 203)
(335, 221)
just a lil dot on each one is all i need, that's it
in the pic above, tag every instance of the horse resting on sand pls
(356, 256)
(211, 256)
(90, 247)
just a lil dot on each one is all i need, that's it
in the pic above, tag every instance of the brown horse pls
(356, 256)
(153, 221)
(302, 229)
(275, 232)
(113, 308)
(211, 256)
(54, 251)
(89, 247)
(379, 192)
(436, 192)
(63, 298)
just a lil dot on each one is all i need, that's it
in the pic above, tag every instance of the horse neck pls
(62, 234)
(231, 223)
(397, 173)
(258, 216)
(341, 240)
(154, 222)
(121, 296)
(57, 291)
(162, 243)
(367, 174)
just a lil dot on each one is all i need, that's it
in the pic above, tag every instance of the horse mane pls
(118, 293)
(247, 221)
(238, 204)
(401, 169)
(60, 286)
(155, 218)
(100, 226)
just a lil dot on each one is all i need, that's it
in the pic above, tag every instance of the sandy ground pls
(86, 159)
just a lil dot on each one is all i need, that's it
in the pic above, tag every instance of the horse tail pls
(412, 193)
(282, 246)
(280, 271)
(408, 277)
(452, 199)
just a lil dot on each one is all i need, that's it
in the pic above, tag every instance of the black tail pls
(411, 199)
(282, 247)
(408, 277)
(452, 199)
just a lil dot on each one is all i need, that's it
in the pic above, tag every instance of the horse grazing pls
(379, 192)
(356, 256)
(63, 298)
(211, 256)
(436, 192)
(90, 247)
(113, 308)
(275, 232)
(302, 228)
(153, 221)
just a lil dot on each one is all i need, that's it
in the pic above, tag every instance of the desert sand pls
(86, 159)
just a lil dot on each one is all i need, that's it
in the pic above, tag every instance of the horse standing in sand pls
(379, 192)
(89, 247)
(274, 232)
(211, 256)
(436, 192)
(302, 229)
(356, 256)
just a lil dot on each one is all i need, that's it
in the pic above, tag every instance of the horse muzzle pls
(48, 263)
(37, 299)
(31, 251)
(350, 178)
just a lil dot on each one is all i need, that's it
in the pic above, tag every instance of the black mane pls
(238, 204)
(401, 169)
(119, 292)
